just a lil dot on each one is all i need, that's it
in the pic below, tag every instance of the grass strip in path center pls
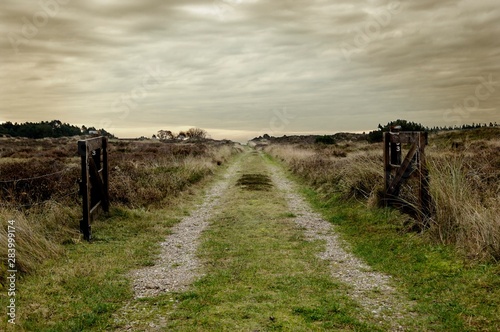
(261, 273)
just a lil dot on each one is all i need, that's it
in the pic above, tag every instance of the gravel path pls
(177, 265)
(371, 289)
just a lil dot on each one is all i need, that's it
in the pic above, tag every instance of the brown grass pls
(465, 188)
(33, 240)
(46, 209)
(465, 183)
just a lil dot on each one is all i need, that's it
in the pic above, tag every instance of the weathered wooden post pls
(387, 165)
(424, 194)
(403, 170)
(395, 146)
(94, 185)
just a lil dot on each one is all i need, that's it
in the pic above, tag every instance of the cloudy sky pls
(241, 68)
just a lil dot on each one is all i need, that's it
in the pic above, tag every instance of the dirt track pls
(178, 266)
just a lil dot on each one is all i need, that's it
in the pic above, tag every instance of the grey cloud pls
(428, 5)
(228, 65)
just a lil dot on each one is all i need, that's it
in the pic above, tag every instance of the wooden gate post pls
(94, 185)
(387, 165)
(416, 155)
(423, 173)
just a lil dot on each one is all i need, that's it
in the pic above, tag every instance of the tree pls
(377, 135)
(165, 134)
(54, 128)
(161, 134)
(105, 133)
(196, 133)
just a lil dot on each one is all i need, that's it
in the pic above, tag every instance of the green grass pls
(453, 294)
(84, 288)
(80, 291)
(260, 274)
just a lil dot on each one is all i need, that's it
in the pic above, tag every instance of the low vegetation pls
(260, 273)
(39, 189)
(451, 269)
(453, 293)
(464, 178)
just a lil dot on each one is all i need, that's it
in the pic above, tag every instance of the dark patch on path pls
(254, 182)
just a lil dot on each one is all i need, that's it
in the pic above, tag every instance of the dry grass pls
(33, 246)
(466, 204)
(352, 175)
(465, 183)
(46, 209)
(148, 177)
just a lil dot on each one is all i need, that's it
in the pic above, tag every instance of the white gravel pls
(372, 290)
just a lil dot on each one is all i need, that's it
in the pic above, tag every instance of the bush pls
(376, 136)
(326, 139)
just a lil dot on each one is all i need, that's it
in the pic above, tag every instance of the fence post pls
(392, 160)
(105, 174)
(94, 185)
(424, 194)
(395, 145)
(387, 165)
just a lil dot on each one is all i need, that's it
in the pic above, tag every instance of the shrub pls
(326, 139)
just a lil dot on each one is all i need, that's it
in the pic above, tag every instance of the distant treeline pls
(53, 129)
(377, 135)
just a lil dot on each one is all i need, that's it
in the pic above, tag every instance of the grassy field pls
(452, 268)
(453, 292)
(260, 274)
(38, 182)
(465, 183)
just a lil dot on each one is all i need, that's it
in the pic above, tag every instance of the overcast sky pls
(241, 68)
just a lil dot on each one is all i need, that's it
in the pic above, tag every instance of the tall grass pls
(351, 175)
(464, 184)
(460, 217)
(33, 246)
